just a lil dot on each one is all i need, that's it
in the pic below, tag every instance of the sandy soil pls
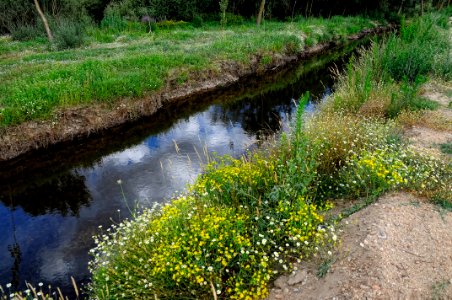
(398, 248)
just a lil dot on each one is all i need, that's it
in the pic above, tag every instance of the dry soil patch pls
(398, 248)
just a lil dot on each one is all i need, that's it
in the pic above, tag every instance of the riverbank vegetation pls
(127, 62)
(244, 221)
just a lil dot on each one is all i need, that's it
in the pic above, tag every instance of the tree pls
(260, 14)
(44, 21)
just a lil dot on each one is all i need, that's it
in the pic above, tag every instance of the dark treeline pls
(15, 14)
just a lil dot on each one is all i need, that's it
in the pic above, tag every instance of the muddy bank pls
(84, 121)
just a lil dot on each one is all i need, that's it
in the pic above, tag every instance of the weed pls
(446, 148)
(324, 267)
(39, 292)
(438, 289)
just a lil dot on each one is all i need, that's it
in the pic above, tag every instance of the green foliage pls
(69, 34)
(113, 21)
(26, 32)
(408, 99)
(170, 24)
(413, 54)
(223, 8)
(394, 167)
(446, 148)
(385, 80)
(15, 14)
(34, 82)
(324, 267)
(189, 250)
(197, 21)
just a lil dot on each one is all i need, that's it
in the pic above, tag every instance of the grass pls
(129, 63)
(39, 292)
(446, 148)
(324, 267)
(439, 288)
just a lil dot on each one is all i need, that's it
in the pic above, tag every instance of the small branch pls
(214, 293)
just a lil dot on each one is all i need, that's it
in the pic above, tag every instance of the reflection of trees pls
(16, 254)
(65, 195)
(259, 117)
(260, 114)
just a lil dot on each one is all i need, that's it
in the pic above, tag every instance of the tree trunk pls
(44, 20)
(261, 12)
(422, 7)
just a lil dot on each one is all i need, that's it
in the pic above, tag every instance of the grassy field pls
(128, 63)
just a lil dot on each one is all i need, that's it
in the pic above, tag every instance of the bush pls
(394, 167)
(408, 99)
(69, 34)
(190, 250)
(113, 21)
(197, 21)
(413, 54)
(387, 77)
(26, 32)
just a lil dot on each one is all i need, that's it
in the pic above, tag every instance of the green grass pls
(130, 63)
(439, 289)
(324, 267)
(446, 148)
(386, 80)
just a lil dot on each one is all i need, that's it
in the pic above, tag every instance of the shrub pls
(446, 148)
(408, 99)
(69, 34)
(191, 249)
(394, 167)
(112, 21)
(386, 77)
(197, 21)
(26, 32)
(413, 53)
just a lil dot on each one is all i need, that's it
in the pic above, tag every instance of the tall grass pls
(386, 79)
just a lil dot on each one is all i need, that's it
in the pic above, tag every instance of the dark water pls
(52, 201)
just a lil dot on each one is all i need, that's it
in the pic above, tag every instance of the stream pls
(53, 201)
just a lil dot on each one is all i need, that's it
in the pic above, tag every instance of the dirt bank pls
(81, 122)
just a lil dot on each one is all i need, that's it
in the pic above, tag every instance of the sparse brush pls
(431, 119)
(39, 292)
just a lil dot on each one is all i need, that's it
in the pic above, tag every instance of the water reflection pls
(64, 194)
(51, 207)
